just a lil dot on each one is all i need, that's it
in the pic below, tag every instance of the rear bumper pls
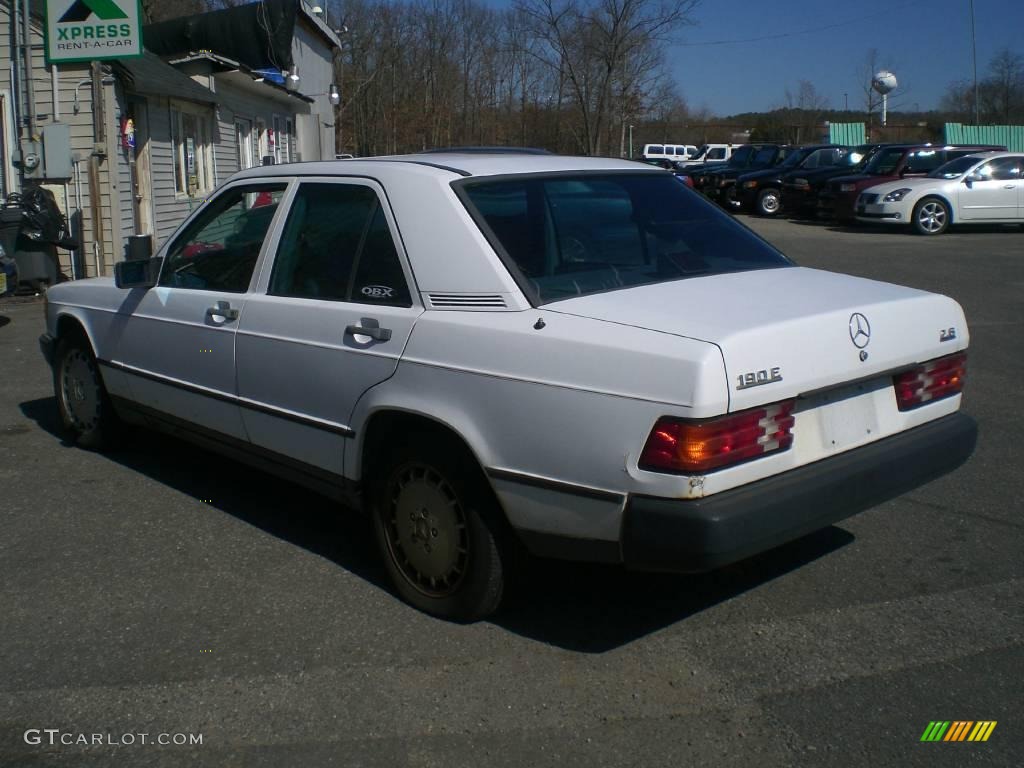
(703, 534)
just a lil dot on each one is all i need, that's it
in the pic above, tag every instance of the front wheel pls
(439, 528)
(769, 202)
(82, 401)
(931, 217)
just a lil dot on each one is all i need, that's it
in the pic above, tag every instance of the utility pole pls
(631, 142)
(974, 58)
(846, 102)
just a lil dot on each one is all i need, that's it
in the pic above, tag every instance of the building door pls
(243, 139)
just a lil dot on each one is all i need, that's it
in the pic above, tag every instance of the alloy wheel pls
(426, 531)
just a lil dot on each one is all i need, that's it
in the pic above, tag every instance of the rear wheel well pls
(384, 424)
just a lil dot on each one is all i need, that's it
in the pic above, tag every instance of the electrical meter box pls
(50, 158)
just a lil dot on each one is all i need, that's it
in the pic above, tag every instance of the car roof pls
(456, 163)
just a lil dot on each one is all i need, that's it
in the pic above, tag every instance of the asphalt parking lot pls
(163, 590)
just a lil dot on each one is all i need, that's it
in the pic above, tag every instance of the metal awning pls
(150, 75)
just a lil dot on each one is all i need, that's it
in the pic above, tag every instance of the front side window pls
(741, 156)
(716, 153)
(765, 156)
(924, 161)
(193, 157)
(219, 248)
(571, 236)
(656, 149)
(954, 168)
(884, 162)
(1001, 169)
(337, 246)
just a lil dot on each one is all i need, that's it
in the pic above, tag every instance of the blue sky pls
(927, 43)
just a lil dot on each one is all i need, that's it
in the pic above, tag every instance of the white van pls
(711, 153)
(669, 151)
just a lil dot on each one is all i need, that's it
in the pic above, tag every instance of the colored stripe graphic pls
(958, 730)
(935, 730)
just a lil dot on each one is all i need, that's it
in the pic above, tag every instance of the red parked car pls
(890, 163)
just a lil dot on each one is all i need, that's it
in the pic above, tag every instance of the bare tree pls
(601, 48)
(1002, 92)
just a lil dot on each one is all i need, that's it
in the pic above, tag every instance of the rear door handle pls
(380, 334)
(223, 309)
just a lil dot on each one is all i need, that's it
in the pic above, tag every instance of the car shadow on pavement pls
(576, 606)
(283, 509)
(597, 608)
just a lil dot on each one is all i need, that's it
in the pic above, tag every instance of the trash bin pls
(37, 262)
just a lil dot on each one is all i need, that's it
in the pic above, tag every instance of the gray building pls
(152, 137)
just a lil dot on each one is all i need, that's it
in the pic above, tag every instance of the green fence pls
(849, 134)
(1010, 136)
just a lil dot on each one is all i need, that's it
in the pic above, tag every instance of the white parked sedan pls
(983, 188)
(486, 351)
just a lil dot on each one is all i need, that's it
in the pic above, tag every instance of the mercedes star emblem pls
(860, 330)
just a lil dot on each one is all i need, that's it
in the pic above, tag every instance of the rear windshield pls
(566, 236)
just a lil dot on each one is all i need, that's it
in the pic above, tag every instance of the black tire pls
(931, 216)
(769, 202)
(440, 530)
(83, 404)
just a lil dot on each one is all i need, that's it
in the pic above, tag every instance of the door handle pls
(223, 309)
(1009, 186)
(380, 334)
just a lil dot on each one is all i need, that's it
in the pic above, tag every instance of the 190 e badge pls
(757, 378)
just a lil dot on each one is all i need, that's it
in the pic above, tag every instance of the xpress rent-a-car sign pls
(86, 30)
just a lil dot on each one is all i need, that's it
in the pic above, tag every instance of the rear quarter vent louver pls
(466, 301)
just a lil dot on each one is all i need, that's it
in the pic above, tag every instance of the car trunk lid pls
(789, 331)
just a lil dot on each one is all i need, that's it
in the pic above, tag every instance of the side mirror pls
(970, 178)
(137, 274)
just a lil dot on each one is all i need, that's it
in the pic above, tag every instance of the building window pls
(283, 140)
(193, 155)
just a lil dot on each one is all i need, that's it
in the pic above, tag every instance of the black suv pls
(801, 189)
(761, 191)
(719, 184)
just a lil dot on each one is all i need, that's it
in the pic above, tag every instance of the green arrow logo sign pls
(80, 10)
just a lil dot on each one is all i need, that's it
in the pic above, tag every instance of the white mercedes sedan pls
(983, 188)
(487, 352)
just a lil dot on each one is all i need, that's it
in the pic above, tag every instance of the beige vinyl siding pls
(169, 208)
(81, 130)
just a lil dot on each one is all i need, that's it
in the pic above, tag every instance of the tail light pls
(934, 380)
(681, 445)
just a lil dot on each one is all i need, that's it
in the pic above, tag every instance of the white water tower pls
(884, 82)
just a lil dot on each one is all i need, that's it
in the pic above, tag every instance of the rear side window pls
(571, 236)
(337, 246)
